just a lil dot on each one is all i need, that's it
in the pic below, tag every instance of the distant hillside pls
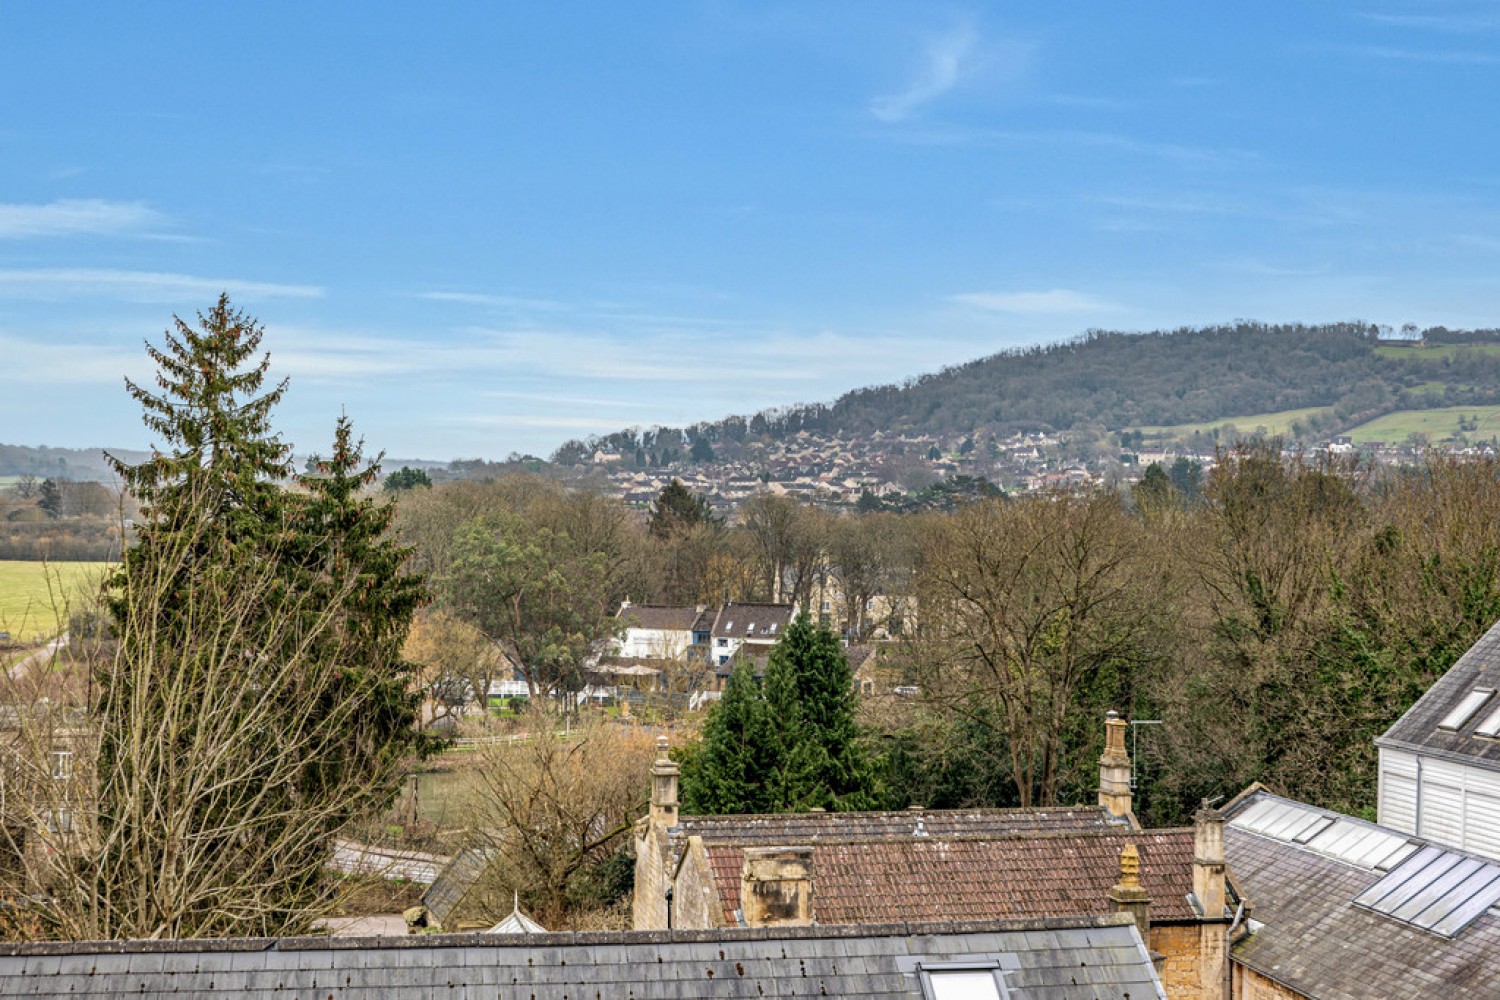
(1344, 374)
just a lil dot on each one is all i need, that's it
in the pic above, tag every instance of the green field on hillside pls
(35, 596)
(1433, 352)
(1272, 423)
(1439, 424)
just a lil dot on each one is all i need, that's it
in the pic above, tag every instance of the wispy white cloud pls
(1434, 22)
(139, 286)
(943, 62)
(78, 217)
(487, 299)
(1056, 300)
(1454, 57)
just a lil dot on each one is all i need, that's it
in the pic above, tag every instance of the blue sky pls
(485, 228)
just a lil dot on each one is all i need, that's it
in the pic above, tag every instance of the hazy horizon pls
(483, 230)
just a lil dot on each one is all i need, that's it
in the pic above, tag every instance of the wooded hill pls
(1113, 381)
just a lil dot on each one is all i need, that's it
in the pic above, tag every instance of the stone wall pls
(649, 905)
(1193, 968)
(1251, 985)
(695, 899)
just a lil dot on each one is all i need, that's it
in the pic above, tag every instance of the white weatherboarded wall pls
(1450, 803)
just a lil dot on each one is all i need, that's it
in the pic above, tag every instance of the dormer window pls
(749, 627)
(1457, 718)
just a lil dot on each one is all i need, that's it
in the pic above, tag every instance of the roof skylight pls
(1490, 726)
(1466, 709)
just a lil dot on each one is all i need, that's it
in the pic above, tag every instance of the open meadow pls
(35, 596)
(1279, 422)
(1440, 424)
(1414, 352)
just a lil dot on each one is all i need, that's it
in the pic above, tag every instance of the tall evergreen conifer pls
(731, 770)
(258, 700)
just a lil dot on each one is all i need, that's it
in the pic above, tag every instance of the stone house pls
(801, 869)
(1440, 762)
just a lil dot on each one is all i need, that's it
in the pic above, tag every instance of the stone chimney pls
(1208, 862)
(663, 788)
(1114, 768)
(776, 887)
(1129, 896)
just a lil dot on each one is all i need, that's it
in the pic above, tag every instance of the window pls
(827, 607)
(723, 642)
(59, 821)
(1466, 708)
(963, 982)
(61, 764)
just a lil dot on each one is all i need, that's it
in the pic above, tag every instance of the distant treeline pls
(1113, 381)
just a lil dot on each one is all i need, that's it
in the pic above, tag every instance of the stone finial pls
(1128, 895)
(1130, 867)
(663, 748)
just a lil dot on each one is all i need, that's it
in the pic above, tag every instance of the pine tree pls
(789, 744)
(345, 557)
(50, 498)
(676, 508)
(811, 703)
(258, 701)
(731, 770)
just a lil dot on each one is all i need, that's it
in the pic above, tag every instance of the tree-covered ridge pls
(1111, 380)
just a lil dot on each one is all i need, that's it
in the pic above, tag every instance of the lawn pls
(35, 596)
(1438, 424)
(1279, 422)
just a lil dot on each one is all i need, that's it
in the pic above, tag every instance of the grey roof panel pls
(1313, 937)
(1067, 959)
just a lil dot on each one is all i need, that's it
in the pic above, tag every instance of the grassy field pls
(1435, 352)
(1438, 424)
(28, 607)
(1273, 423)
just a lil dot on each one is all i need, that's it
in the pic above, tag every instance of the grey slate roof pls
(1418, 728)
(753, 622)
(1077, 959)
(1316, 941)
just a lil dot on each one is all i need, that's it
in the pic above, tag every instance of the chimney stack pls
(663, 788)
(776, 887)
(1208, 862)
(1129, 896)
(1114, 768)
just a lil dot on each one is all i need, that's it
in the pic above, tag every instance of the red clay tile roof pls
(978, 878)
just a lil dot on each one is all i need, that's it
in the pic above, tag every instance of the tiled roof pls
(785, 829)
(1311, 937)
(659, 617)
(990, 878)
(1050, 960)
(1418, 728)
(753, 621)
